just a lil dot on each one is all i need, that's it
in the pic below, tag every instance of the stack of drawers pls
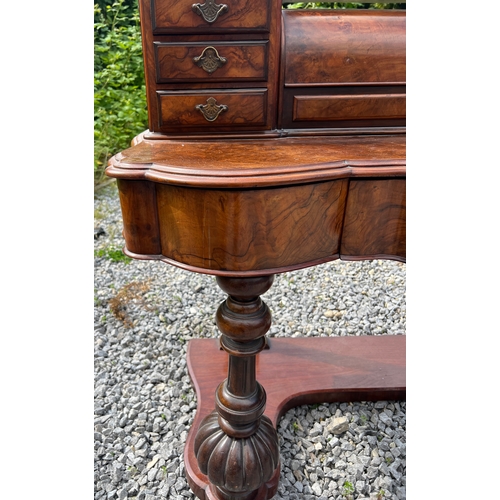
(210, 67)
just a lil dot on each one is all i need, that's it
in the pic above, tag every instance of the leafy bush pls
(120, 110)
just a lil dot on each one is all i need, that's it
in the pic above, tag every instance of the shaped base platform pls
(298, 371)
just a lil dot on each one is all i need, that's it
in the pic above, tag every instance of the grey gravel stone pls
(144, 402)
(339, 425)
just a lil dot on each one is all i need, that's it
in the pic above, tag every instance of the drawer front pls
(375, 219)
(348, 107)
(211, 62)
(350, 47)
(210, 16)
(209, 109)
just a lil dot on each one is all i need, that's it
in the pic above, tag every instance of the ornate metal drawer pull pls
(209, 10)
(209, 60)
(211, 110)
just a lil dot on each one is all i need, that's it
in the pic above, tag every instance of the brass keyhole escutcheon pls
(210, 60)
(211, 110)
(209, 11)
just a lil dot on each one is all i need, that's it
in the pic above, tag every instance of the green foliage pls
(102, 4)
(347, 489)
(113, 254)
(120, 110)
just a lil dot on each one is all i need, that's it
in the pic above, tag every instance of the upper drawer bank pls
(210, 16)
(344, 68)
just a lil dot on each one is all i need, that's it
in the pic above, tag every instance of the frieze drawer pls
(210, 16)
(345, 107)
(211, 62)
(224, 109)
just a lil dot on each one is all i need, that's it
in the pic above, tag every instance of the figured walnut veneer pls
(261, 207)
(352, 47)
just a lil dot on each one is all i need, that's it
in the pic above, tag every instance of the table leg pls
(236, 446)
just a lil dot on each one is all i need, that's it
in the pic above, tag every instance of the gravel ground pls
(145, 312)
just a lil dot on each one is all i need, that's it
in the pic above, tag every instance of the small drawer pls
(345, 107)
(211, 62)
(351, 107)
(224, 109)
(210, 16)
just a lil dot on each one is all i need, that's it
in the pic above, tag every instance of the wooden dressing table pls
(276, 141)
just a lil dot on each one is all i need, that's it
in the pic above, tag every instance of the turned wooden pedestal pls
(245, 210)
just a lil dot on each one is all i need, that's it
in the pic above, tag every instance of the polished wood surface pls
(343, 69)
(140, 219)
(244, 108)
(239, 61)
(256, 163)
(236, 445)
(353, 47)
(375, 220)
(259, 207)
(254, 230)
(171, 16)
(348, 107)
(326, 369)
(246, 34)
(330, 70)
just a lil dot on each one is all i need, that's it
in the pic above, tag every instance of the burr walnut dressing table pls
(276, 141)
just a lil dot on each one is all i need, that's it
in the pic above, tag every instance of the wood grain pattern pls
(244, 61)
(174, 16)
(344, 47)
(349, 107)
(231, 230)
(261, 163)
(140, 217)
(236, 446)
(247, 24)
(375, 221)
(325, 370)
(261, 207)
(321, 50)
(245, 109)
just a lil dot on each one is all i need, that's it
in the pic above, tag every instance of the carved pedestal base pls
(298, 371)
(236, 446)
(237, 466)
(232, 451)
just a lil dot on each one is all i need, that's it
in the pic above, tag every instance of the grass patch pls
(114, 254)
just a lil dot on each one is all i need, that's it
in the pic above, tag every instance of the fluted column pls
(236, 445)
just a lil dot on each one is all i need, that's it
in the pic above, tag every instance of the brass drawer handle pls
(211, 110)
(209, 60)
(209, 10)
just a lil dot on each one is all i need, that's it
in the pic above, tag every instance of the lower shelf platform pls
(298, 371)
